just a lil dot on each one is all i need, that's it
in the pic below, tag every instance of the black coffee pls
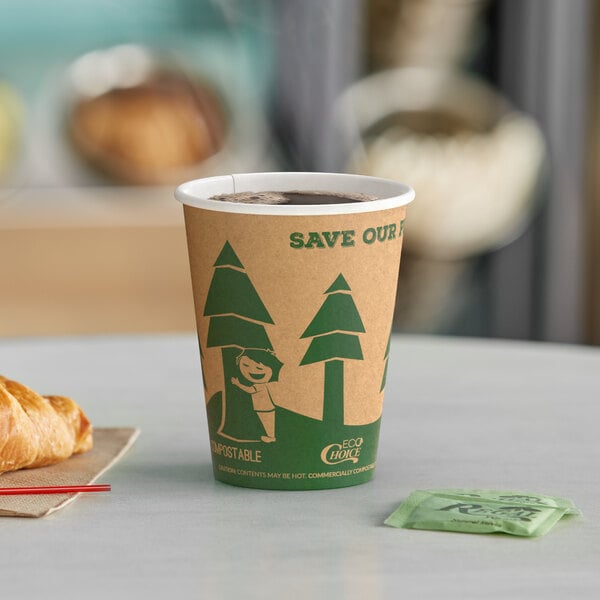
(293, 198)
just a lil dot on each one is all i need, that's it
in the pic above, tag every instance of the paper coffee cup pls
(294, 308)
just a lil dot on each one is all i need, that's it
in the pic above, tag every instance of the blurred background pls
(489, 109)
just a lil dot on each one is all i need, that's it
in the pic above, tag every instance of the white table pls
(458, 413)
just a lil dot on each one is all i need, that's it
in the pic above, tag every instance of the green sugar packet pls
(481, 511)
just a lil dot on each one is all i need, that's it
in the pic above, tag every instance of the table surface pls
(458, 413)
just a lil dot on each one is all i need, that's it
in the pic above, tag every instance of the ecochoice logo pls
(345, 451)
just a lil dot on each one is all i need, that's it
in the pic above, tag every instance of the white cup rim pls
(389, 193)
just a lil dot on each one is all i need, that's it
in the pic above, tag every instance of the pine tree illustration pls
(386, 358)
(334, 336)
(237, 320)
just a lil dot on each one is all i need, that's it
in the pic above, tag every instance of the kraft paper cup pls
(294, 309)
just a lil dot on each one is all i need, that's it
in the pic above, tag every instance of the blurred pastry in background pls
(10, 126)
(149, 126)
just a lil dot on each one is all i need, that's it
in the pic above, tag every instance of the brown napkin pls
(109, 446)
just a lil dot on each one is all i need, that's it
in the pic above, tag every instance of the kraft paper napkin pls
(110, 444)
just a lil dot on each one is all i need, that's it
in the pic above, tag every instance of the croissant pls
(36, 431)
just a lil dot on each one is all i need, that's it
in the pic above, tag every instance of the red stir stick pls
(55, 489)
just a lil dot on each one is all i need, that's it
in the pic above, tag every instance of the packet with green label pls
(481, 511)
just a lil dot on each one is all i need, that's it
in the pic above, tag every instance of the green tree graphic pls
(334, 331)
(237, 319)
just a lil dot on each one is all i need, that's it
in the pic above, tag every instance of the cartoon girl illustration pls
(259, 368)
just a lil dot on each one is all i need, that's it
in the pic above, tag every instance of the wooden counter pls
(93, 260)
